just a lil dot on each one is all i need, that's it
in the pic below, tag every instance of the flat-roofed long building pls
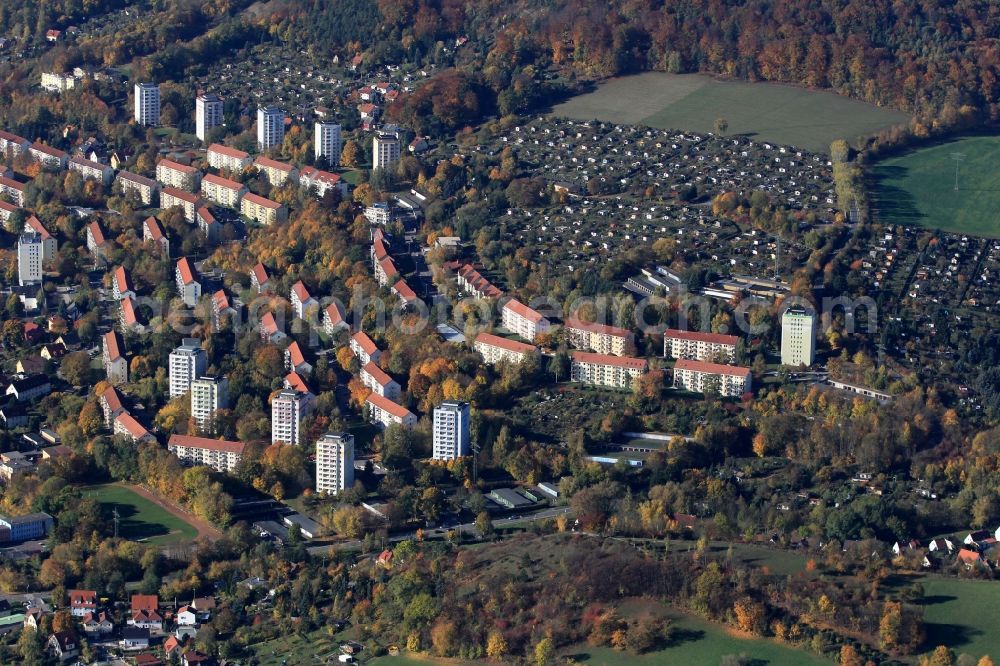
(731, 381)
(699, 346)
(605, 369)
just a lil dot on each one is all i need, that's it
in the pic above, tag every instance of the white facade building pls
(385, 151)
(334, 462)
(147, 104)
(219, 454)
(288, 408)
(187, 363)
(29, 259)
(798, 337)
(518, 318)
(605, 369)
(699, 346)
(326, 143)
(208, 394)
(452, 437)
(730, 381)
(270, 127)
(208, 113)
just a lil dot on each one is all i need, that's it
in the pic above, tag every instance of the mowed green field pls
(140, 519)
(918, 188)
(962, 614)
(783, 114)
(700, 642)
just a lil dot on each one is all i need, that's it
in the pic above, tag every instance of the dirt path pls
(205, 528)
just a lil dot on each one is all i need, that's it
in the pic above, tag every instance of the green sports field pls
(142, 520)
(799, 117)
(918, 188)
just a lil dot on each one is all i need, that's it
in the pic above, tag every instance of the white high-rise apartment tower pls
(798, 337)
(288, 408)
(326, 143)
(451, 430)
(385, 151)
(270, 127)
(29, 259)
(147, 104)
(334, 462)
(208, 394)
(187, 363)
(208, 113)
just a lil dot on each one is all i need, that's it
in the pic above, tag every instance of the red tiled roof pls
(294, 381)
(380, 251)
(133, 427)
(83, 161)
(227, 151)
(579, 324)
(81, 597)
(221, 182)
(187, 272)
(145, 602)
(9, 207)
(260, 273)
(522, 310)
(404, 291)
(187, 197)
(334, 313)
(388, 267)
(697, 336)
(128, 312)
(11, 183)
(35, 225)
(48, 150)
(221, 300)
(268, 163)
(95, 231)
(377, 373)
(206, 443)
(712, 368)
(312, 173)
(122, 280)
(260, 201)
(136, 178)
(504, 343)
(205, 215)
(299, 289)
(295, 355)
(155, 230)
(387, 405)
(607, 359)
(113, 344)
(7, 136)
(267, 324)
(112, 398)
(176, 166)
(363, 341)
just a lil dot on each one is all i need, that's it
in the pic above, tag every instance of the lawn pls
(699, 642)
(962, 614)
(142, 520)
(918, 188)
(809, 119)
